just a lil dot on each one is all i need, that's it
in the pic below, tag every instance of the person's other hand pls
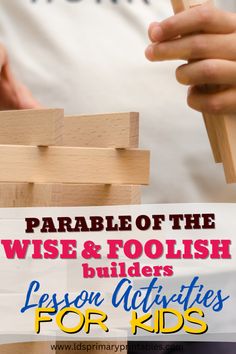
(13, 94)
(206, 38)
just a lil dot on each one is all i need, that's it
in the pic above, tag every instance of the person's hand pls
(13, 94)
(206, 38)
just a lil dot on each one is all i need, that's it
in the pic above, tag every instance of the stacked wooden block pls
(50, 160)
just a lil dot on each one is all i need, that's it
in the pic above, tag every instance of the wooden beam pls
(42, 127)
(179, 5)
(182, 5)
(66, 195)
(15, 195)
(226, 132)
(118, 130)
(210, 122)
(97, 195)
(20, 195)
(73, 165)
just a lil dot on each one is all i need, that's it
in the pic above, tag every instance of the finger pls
(14, 95)
(25, 99)
(219, 103)
(153, 31)
(205, 18)
(195, 47)
(3, 57)
(20, 95)
(211, 71)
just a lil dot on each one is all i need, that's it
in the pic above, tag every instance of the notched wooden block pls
(118, 130)
(42, 127)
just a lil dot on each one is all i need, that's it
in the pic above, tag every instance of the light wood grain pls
(43, 127)
(179, 5)
(210, 122)
(97, 195)
(19, 195)
(119, 130)
(212, 128)
(28, 348)
(182, 5)
(73, 165)
(66, 195)
(226, 132)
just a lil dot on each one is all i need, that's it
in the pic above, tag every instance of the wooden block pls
(226, 132)
(182, 5)
(179, 5)
(73, 165)
(66, 195)
(29, 348)
(15, 195)
(119, 130)
(210, 122)
(42, 127)
(96, 195)
(20, 195)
